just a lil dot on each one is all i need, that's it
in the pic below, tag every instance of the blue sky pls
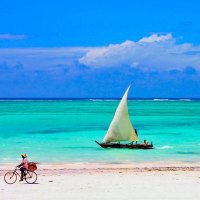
(96, 48)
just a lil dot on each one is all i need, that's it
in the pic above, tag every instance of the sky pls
(94, 49)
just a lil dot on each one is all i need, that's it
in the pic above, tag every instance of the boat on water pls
(121, 129)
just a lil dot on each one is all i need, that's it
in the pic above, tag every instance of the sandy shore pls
(86, 181)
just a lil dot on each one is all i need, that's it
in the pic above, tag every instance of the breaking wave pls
(165, 147)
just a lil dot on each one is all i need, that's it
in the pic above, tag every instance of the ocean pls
(64, 130)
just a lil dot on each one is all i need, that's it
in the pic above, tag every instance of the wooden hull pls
(128, 146)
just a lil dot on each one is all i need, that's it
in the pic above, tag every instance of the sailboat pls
(121, 129)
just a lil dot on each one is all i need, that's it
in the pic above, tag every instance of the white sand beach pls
(95, 182)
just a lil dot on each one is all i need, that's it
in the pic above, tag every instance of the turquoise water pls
(64, 131)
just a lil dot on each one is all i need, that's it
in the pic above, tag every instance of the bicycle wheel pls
(31, 177)
(10, 177)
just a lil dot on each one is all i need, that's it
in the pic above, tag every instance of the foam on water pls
(160, 99)
(165, 147)
(103, 100)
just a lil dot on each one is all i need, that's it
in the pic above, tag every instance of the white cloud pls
(156, 38)
(156, 52)
(12, 37)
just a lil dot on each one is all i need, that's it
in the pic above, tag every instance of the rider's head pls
(24, 155)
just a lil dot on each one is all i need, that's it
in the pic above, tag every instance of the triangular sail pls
(121, 128)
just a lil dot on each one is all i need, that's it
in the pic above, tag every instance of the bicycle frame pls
(27, 172)
(15, 172)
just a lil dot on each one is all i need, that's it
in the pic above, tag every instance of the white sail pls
(121, 128)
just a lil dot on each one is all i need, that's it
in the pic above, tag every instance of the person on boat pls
(145, 143)
(23, 166)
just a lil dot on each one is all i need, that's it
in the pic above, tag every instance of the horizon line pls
(88, 98)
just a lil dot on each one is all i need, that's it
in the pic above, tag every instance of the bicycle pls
(11, 176)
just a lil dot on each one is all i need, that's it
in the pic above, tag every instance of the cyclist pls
(23, 166)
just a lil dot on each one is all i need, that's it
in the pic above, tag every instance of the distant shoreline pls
(100, 99)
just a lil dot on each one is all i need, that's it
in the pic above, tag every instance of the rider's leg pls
(22, 172)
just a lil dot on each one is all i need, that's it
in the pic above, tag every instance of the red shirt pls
(25, 163)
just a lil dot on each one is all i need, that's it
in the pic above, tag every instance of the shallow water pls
(65, 130)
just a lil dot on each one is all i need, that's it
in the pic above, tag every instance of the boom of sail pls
(121, 128)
